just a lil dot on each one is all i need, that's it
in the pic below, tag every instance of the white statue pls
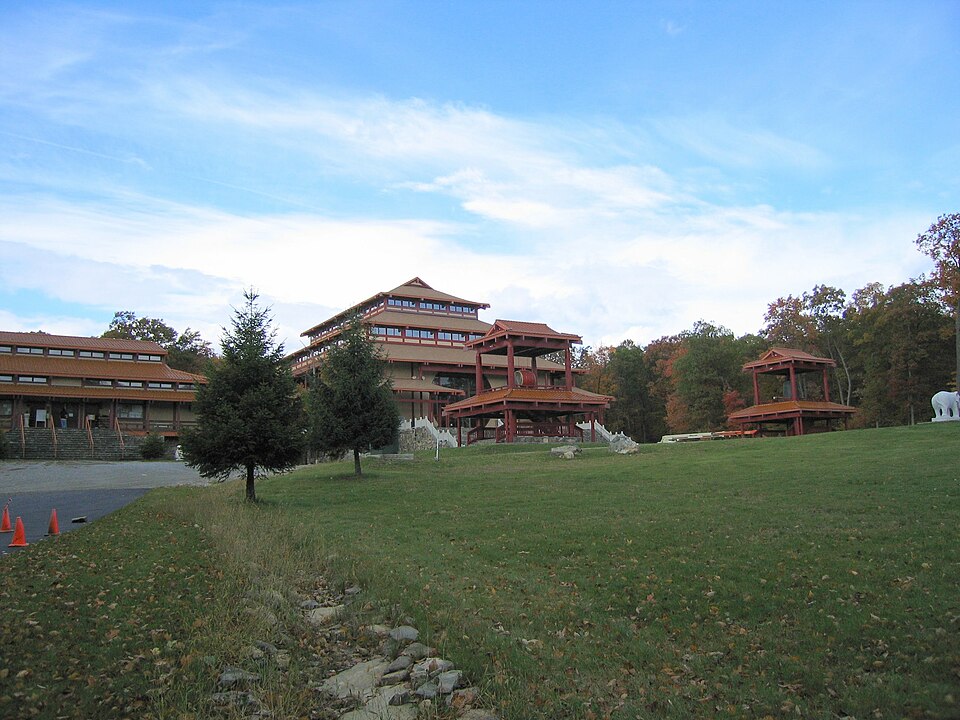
(946, 406)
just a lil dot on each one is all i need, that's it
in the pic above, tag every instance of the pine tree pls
(350, 404)
(249, 414)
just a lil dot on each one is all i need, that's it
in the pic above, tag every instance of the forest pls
(894, 348)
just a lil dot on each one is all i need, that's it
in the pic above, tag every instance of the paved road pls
(79, 489)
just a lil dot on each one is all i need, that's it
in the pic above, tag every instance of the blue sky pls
(615, 169)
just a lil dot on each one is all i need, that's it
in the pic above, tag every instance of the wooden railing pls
(23, 439)
(116, 424)
(53, 433)
(89, 428)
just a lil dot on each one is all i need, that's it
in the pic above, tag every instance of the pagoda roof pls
(413, 289)
(88, 368)
(528, 338)
(779, 357)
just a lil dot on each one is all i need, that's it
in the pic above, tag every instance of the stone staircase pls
(72, 444)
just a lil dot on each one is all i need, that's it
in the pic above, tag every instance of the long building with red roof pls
(68, 382)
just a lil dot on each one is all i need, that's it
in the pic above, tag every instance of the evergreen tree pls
(249, 414)
(350, 405)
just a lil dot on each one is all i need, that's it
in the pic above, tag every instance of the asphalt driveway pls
(87, 490)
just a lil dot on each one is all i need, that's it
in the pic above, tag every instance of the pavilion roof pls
(528, 338)
(783, 357)
(557, 400)
(413, 289)
(787, 409)
(91, 368)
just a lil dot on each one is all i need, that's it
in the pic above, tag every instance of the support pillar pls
(479, 376)
(511, 366)
(756, 389)
(826, 387)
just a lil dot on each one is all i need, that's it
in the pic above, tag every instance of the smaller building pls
(800, 402)
(65, 382)
(533, 403)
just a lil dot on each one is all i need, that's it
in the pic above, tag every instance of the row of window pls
(93, 354)
(429, 305)
(95, 382)
(386, 331)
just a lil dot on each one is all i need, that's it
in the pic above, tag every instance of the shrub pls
(153, 447)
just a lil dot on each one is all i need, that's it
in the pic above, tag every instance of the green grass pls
(797, 577)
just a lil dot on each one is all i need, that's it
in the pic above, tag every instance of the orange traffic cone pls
(19, 536)
(5, 523)
(54, 527)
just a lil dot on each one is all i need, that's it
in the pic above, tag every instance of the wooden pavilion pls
(525, 407)
(803, 405)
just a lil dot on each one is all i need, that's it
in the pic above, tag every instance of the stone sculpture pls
(946, 406)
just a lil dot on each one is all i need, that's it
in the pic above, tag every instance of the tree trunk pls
(251, 493)
(356, 462)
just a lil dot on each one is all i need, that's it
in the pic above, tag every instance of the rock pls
(358, 681)
(418, 651)
(477, 714)
(282, 659)
(401, 663)
(235, 698)
(324, 615)
(352, 590)
(433, 666)
(236, 676)
(263, 615)
(382, 707)
(427, 691)
(395, 678)
(567, 452)
(447, 681)
(622, 445)
(378, 631)
(405, 633)
(266, 647)
(401, 697)
(309, 604)
(255, 653)
(462, 699)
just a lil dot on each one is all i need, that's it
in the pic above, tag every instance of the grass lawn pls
(798, 577)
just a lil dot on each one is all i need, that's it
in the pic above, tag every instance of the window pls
(6, 407)
(121, 356)
(415, 333)
(475, 336)
(389, 331)
(61, 353)
(6, 378)
(160, 386)
(129, 383)
(130, 412)
(149, 358)
(36, 379)
(29, 351)
(455, 336)
(400, 302)
(185, 386)
(432, 305)
(98, 382)
(6, 349)
(91, 354)
(461, 309)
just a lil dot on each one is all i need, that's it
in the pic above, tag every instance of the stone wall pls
(417, 439)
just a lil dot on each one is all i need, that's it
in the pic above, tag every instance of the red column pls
(756, 389)
(479, 375)
(593, 427)
(826, 386)
(511, 366)
(793, 384)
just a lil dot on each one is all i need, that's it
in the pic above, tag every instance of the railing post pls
(53, 429)
(23, 440)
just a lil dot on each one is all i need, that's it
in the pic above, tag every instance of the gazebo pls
(530, 404)
(793, 412)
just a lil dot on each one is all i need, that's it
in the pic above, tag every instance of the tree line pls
(894, 348)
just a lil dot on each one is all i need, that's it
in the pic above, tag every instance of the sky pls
(618, 170)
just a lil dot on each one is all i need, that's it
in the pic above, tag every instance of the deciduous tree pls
(941, 242)
(249, 414)
(185, 351)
